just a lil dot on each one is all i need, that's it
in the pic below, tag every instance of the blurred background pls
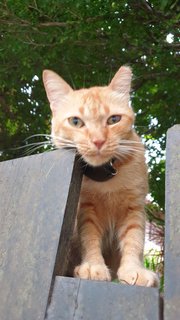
(86, 41)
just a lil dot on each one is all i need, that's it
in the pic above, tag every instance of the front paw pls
(92, 272)
(137, 275)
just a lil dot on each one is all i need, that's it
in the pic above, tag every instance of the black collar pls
(100, 173)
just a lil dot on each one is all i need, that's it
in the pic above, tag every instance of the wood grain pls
(34, 192)
(75, 299)
(172, 226)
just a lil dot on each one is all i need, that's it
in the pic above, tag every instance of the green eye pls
(76, 122)
(113, 119)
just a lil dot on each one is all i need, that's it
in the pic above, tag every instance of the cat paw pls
(136, 275)
(92, 272)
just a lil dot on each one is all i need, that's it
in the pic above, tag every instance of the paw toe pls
(137, 276)
(93, 272)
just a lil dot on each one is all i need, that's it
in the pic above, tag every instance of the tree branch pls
(151, 76)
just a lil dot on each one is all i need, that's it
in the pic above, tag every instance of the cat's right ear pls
(56, 88)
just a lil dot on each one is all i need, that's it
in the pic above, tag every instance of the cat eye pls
(113, 119)
(76, 122)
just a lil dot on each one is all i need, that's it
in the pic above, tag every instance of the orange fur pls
(111, 211)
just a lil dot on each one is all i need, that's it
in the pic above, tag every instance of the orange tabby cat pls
(98, 122)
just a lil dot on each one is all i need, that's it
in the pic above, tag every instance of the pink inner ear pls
(56, 88)
(122, 80)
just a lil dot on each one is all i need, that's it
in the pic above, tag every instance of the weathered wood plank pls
(75, 299)
(33, 198)
(69, 220)
(172, 226)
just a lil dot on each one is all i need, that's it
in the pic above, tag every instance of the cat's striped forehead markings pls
(93, 105)
(81, 110)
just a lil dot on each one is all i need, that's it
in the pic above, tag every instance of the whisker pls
(38, 135)
(121, 156)
(61, 138)
(129, 141)
(66, 145)
(43, 143)
(82, 155)
(131, 149)
(128, 152)
(33, 149)
(65, 150)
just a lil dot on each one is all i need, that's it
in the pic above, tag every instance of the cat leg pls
(92, 266)
(131, 239)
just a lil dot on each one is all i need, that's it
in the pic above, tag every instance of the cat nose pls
(99, 143)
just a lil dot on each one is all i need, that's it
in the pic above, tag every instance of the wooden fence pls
(38, 201)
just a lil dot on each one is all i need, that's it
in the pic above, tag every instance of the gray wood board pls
(69, 221)
(33, 196)
(75, 299)
(172, 226)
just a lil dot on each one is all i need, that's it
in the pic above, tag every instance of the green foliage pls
(150, 263)
(154, 263)
(86, 42)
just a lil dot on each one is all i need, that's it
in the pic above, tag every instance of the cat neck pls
(101, 173)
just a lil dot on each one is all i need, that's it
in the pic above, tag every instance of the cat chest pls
(111, 198)
(109, 203)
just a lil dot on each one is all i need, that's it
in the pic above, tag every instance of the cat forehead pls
(93, 102)
(98, 102)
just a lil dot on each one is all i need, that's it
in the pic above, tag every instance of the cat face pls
(95, 121)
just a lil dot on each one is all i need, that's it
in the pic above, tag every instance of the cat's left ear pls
(56, 88)
(121, 83)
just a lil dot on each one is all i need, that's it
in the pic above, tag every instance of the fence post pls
(172, 226)
(35, 192)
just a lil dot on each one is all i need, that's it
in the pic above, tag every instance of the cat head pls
(95, 121)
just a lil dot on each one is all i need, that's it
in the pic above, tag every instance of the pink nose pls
(99, 143)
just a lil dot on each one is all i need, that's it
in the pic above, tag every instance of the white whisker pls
(33, 149)
(38, 135)
(130, 142)
(43, 143)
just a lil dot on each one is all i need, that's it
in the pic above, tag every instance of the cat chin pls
(96, 161)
